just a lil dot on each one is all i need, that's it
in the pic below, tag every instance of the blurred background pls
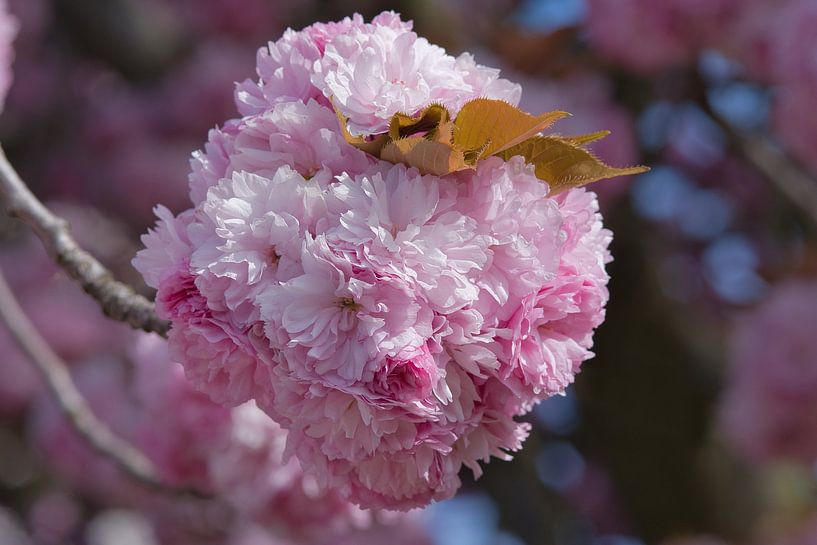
(696, 422)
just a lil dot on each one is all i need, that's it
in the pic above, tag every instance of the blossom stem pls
(118, 301)
(73, 405)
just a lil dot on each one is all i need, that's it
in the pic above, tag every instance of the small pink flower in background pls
(752, 37)
(793, 49)
(232, 18)
(394, 324)
(794, 71)
(139, 137)
(178, 446)
(650, 36)
(768, 409)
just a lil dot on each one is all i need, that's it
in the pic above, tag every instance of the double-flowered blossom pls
(394, 322)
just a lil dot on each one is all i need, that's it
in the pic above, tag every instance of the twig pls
(70, 400)
(800, 189)
(118, 301)
(791, 181)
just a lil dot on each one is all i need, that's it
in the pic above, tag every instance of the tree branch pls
(795, 184)
(70, 400)
(118, 301)
(791, 181)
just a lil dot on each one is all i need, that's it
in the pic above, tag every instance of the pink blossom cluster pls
(769, 410)
(393, 323)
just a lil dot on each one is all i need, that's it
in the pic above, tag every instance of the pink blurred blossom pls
(240, 19)
(768, 408)
(67, 318)
(793, 48)
(752, 36)
(101, 381)
(649, 36)
(235, 455)
(793, 67)
(54, 517)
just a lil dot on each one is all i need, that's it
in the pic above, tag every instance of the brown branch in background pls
(118, 301)
(69, 399)
(790, 180)
(795, 184)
